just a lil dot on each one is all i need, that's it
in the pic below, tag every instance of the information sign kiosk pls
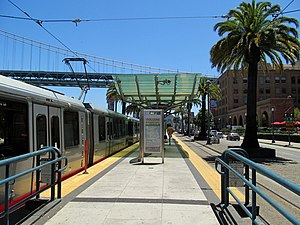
(152, 130)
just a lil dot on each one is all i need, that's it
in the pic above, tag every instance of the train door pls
(40, 126)
(109, 135)
(90, 132)
(55, 127)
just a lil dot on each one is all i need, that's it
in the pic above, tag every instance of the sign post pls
(289, 123)
(152, 130)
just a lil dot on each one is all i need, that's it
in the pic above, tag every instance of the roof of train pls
(22, 89)
(98, 110)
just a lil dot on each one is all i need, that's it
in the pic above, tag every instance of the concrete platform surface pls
(135, 193)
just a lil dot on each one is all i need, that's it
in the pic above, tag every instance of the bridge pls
(43, 64)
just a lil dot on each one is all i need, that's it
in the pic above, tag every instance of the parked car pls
(219, 135)
(233, 137)
(214, 139)
(213, 132)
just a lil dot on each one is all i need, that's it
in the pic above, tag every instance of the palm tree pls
(204, 88)
(134, 109)
(113, 95)
(256, 32)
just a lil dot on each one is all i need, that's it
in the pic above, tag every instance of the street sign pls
(289, 125)
(289, 121)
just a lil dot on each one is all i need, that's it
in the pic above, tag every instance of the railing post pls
(224, 182)
(247, 190)
(58, 175)
(38, 176)
(6, 203)
(53, 176)
(254, 212)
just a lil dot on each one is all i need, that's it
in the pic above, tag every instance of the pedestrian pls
(170, 131)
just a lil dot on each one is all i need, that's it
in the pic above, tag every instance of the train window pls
(130, 128)
(41, 130)
(117, 128)
(55, 140)
(123, 128)
(109, 128)
(101, 128)
(71, 129)
(14, 138)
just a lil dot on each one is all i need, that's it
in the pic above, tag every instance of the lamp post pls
(230, 122)
(272, 109)
(219, 123)
(208, 111)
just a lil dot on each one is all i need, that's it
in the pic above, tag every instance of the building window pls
(235, 91)
(261, 80)
(267, 80)
(268, 91)
(298, 81)
(283, 90)
(277, 79)
(261, 91)
(236, 100)
(245, 80)
(293, 90)
(245, 100)
(283, 80)
(277, 91)
(293, 80)
(235, 80)
(245, 91)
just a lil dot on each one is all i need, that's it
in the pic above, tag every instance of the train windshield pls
(14, 138)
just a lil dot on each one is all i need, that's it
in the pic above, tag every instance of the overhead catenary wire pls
(40, 21)
(76, 21)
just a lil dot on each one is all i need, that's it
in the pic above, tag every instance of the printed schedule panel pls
(152, 130)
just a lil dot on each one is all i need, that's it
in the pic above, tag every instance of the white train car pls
(32, 117)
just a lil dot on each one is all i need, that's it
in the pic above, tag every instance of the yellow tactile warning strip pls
(78, 179)
(211, 176)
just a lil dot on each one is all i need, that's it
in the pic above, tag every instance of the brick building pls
(280, 91)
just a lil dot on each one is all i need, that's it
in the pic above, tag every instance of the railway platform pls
(121, 190)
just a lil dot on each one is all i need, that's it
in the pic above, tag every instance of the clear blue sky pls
(182, 44)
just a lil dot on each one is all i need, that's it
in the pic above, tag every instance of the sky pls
(178, 44)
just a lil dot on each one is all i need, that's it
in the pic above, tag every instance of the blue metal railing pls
(236, 154)
(55, 161)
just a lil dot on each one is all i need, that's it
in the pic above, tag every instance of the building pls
(277, 92)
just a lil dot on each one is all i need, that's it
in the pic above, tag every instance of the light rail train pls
(32, 117)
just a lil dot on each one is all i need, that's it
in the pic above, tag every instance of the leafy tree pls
(297, 114)
(203, 89)
(256, 33)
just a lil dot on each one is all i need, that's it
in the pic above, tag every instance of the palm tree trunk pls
(203, 110)
(250, 141)
(189, 107)
(123, 107)
(182, 124)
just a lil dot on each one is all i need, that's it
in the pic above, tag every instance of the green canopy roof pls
(163, 91)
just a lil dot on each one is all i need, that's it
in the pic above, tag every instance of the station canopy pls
(157, 91)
